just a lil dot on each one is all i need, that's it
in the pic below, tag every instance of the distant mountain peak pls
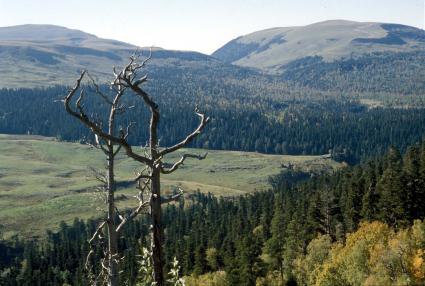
(40, 32)
(271, 49)
(45, 55)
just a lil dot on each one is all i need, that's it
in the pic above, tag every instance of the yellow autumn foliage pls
(373, 255)
(418, 265)
(308, 266)
(217, 278)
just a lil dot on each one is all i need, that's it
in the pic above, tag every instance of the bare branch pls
(142, 176)
(142, 185)
(105, 268)
(98, 143)
(117, 151)
(141, 80)
(136, 66)
(203, 122)
(126, 78)
(148, 58)
(142, 94)
(79, 101)
(173, 197)
(101, 177)
(132, 215)
(181, 162)
(124, 135)
(119, 214)
(86, 265)
(95, 235)
(97, 89)
(97, 232)
(95, 126)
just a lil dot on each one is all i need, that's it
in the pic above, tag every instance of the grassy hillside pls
(331, 40)
(43, 181)
(46, 55)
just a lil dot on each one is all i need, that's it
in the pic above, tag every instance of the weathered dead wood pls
(111, 142)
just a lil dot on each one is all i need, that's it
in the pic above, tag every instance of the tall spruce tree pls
(275, 245)
(391, 190)
(411, 170)
(370, 197)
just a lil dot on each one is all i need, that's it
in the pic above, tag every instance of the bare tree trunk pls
(112, 234)
(157, 236)
(156, 210)
(128, 79)
(113, 253)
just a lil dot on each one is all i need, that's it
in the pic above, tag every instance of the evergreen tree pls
(391, 189)
(411, 169)
(275, 245)
(370, 197)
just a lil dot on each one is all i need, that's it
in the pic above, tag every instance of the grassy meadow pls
(43, 182)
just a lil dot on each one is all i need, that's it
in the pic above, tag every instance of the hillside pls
(43, 55)
(337, 56)
(274, 48)
(43, 182)
(333, 56)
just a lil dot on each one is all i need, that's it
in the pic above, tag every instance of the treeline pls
(347, 129)
(267, 237)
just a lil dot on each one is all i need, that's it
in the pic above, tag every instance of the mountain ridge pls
(271, 49)
(34, 55)
(331, 56)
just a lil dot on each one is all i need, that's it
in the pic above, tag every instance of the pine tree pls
(200, 261)
(275, 245)
(420, 195)
(315, 217)
(352, 200)
(411, 169)
(391, 189)
(370, 197)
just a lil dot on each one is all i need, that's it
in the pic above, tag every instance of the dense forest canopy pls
(295, 232)
(346, 128)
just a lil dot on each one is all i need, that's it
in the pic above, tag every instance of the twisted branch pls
(203, 122)
(172, 198)
(95, 235)
(95, 127)
(181, 162)
(132, 215)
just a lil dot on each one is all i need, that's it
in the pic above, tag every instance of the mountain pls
(42, 55)
(338, 56)
(333, 56)
(272, 49)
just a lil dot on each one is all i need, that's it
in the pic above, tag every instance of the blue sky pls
(200, 25)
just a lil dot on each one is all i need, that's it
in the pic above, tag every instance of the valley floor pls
(43, 182)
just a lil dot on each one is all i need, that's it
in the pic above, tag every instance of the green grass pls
(43, 181)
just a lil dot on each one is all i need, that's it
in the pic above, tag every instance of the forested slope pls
(348, 129)
(295, 232)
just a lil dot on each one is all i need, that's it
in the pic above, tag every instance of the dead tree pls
(111, 141)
